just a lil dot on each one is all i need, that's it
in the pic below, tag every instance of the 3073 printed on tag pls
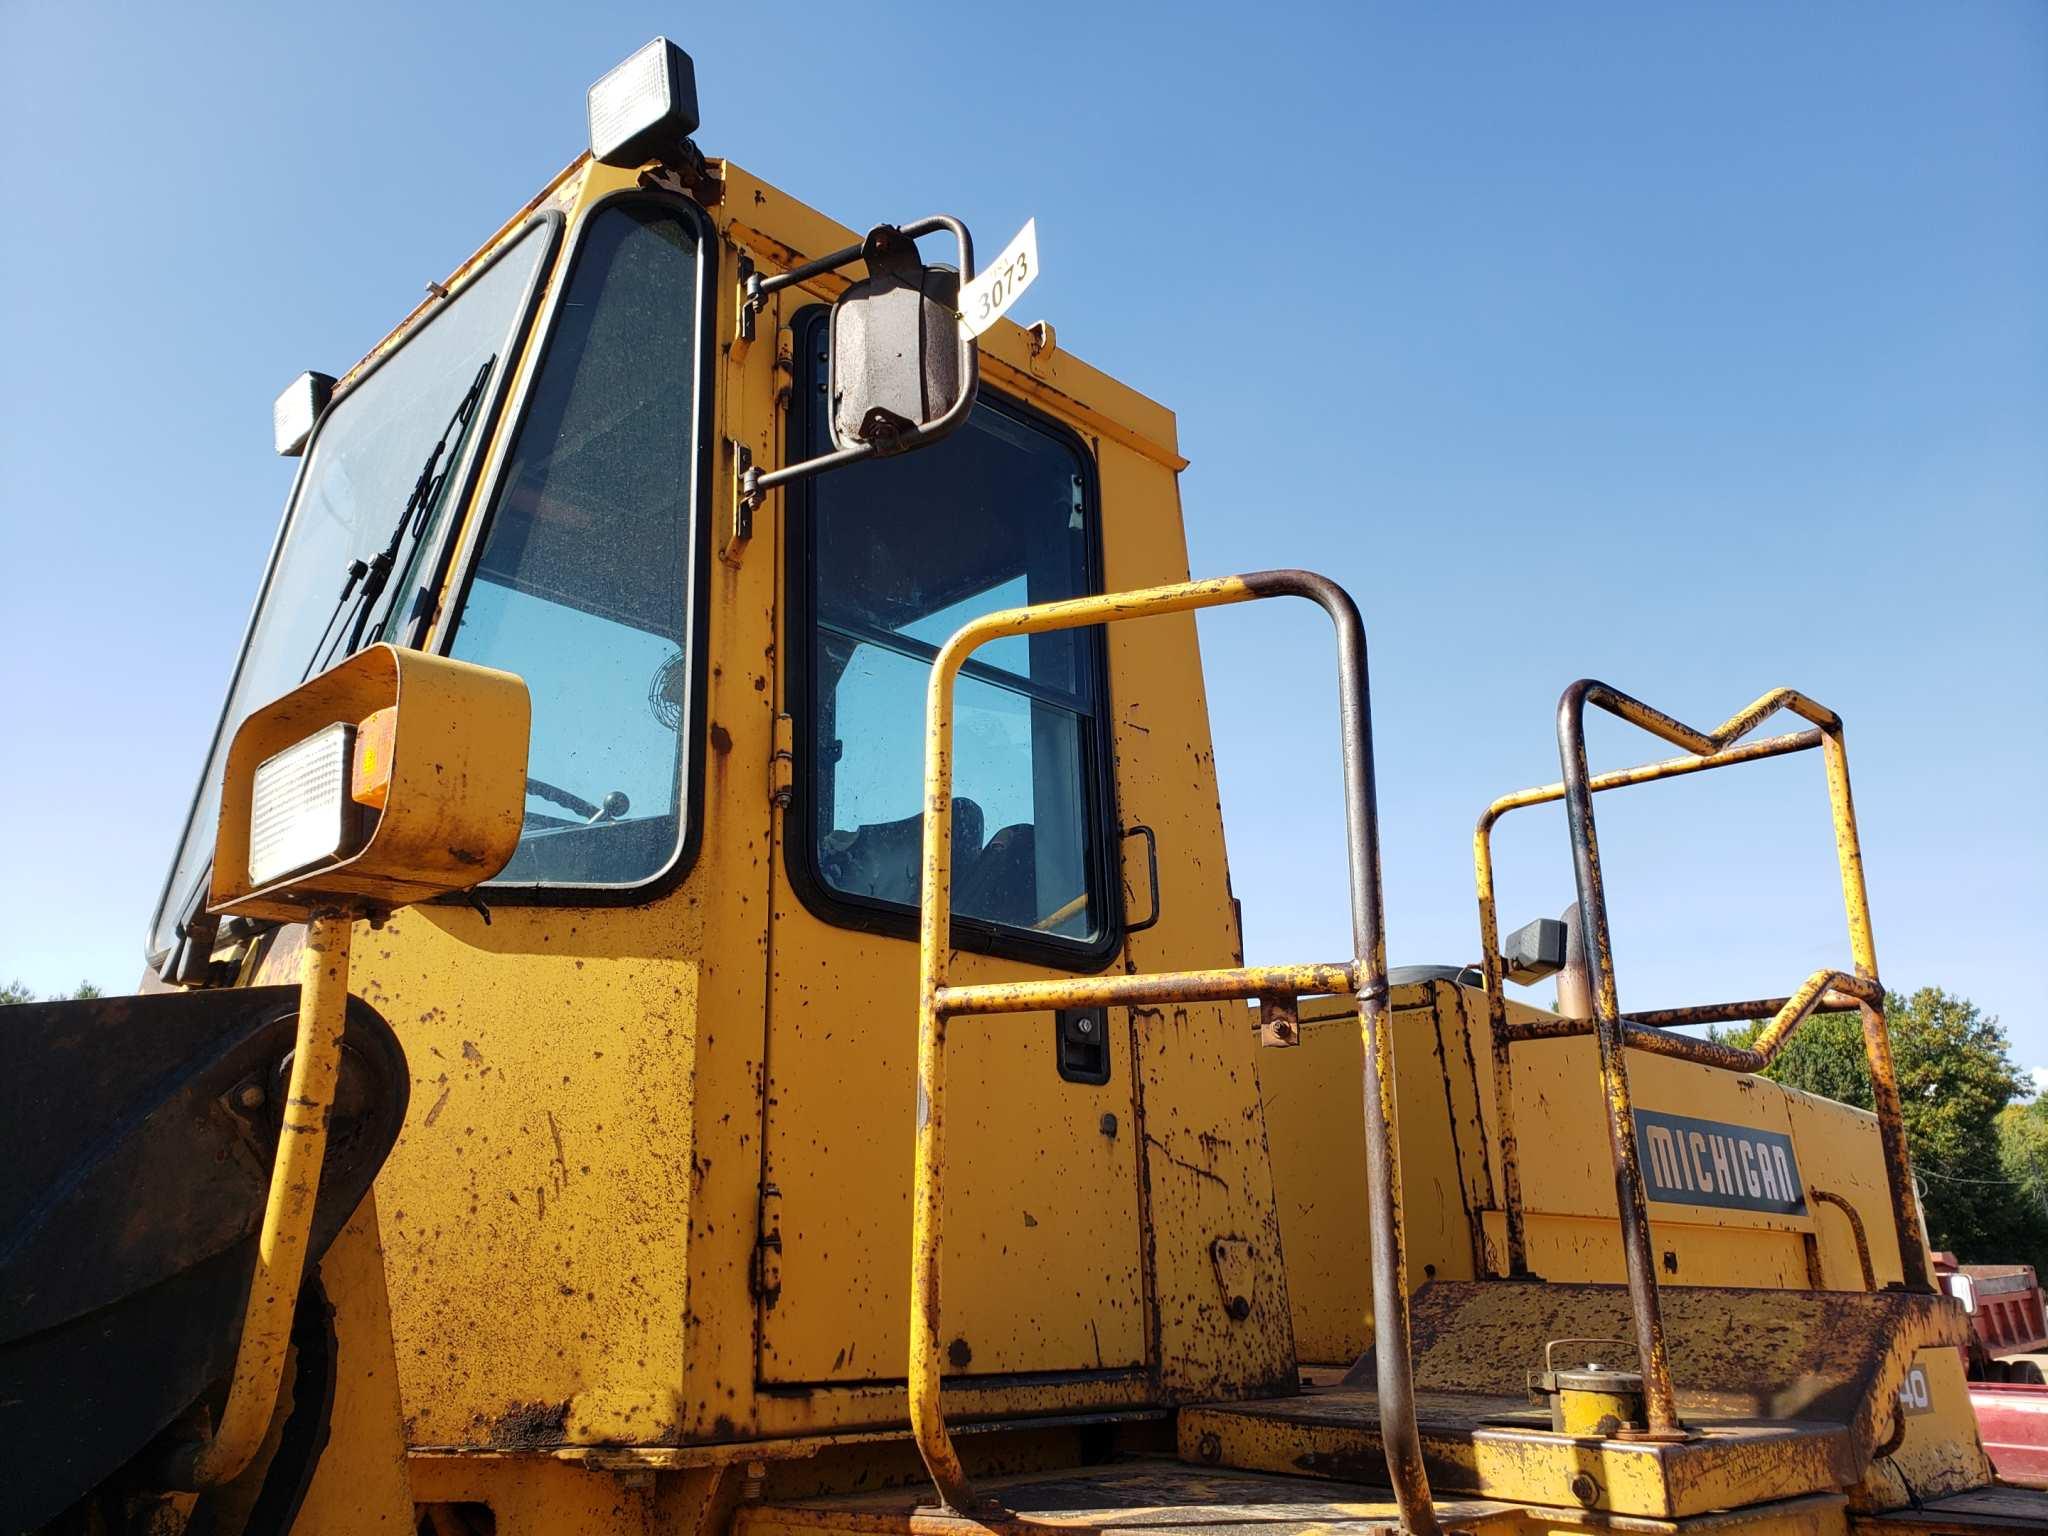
(1001, 283)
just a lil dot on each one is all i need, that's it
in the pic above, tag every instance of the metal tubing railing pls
(287, 1213)
(1650, 1032)
(1489, 944)
(1365, 977)
(1862, 1238)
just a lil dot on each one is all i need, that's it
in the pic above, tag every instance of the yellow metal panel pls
(1937, 1448)
(1043, 1206)
(1206, 1175)
(1316, 1128)
(536, 1209)
(360, 1484)
(1839, 1152)
(1567, 1170)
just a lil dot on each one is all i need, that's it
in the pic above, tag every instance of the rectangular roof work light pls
(644, 106)
(297, 409)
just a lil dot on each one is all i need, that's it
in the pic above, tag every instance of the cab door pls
(1042, 1259)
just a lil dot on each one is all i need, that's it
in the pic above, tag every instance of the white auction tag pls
(988, 298)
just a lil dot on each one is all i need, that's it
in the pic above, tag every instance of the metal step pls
(1976, 1513)
(1474, 1443)
(1153, 1493)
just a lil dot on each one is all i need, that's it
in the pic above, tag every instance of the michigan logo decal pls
(1708, 1162)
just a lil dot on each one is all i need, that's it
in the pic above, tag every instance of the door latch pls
(1081, 1044)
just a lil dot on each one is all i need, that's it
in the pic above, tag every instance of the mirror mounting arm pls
(884, 246)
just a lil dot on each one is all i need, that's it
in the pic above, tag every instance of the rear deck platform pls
(1473, 1441)
(1158, 1495)
(1138, 1495)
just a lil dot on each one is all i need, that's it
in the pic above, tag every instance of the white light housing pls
(299, 808)
(644, 106)
(292, 417)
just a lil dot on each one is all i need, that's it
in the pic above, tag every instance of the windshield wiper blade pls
(366, 582)
(192, 946)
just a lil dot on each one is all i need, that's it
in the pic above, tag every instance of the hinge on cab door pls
(782, 763)
(766, 1280)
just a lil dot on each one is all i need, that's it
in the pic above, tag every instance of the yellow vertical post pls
(1517, 1256)
(1660, 1400)
(935, 920)
(1877, 1043)
(288, 1214)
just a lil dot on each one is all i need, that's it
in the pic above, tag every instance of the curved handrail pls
(1615, 1033)
(1365, 977)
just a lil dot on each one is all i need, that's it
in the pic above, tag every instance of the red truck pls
(2007, 1363)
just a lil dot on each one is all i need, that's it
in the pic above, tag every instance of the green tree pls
(17, 991)
(2023, 1153)
(1956, 1077)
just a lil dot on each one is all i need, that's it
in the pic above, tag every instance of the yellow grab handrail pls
(288, 1212)
(1651, 1032)
(1365, 977)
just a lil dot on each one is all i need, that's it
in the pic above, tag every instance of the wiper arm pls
(366, 582)
(355, 573)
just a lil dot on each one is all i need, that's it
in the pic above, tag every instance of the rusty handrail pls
(1848, 1208)
(1616, 1033)
(1652, 1032)
(1489, 944)
(1365, 977)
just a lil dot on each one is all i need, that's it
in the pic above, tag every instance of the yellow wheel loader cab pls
(699, 992)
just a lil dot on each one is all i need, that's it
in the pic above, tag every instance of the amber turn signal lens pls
(370, 781)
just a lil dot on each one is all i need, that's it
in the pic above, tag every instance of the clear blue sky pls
(1695, 348)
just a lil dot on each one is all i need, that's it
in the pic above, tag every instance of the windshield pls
(583, 582)
(356, 486)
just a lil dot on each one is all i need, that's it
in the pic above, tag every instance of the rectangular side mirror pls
(896, 353)
(904, 369)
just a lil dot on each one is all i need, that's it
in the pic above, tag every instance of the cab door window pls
(900, 553)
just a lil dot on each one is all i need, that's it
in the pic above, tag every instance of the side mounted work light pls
(300, 812)
(645, 106)
(292, 417)
(1534, 951)
(391, 778)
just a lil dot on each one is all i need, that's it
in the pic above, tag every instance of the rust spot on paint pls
(530, 1426)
